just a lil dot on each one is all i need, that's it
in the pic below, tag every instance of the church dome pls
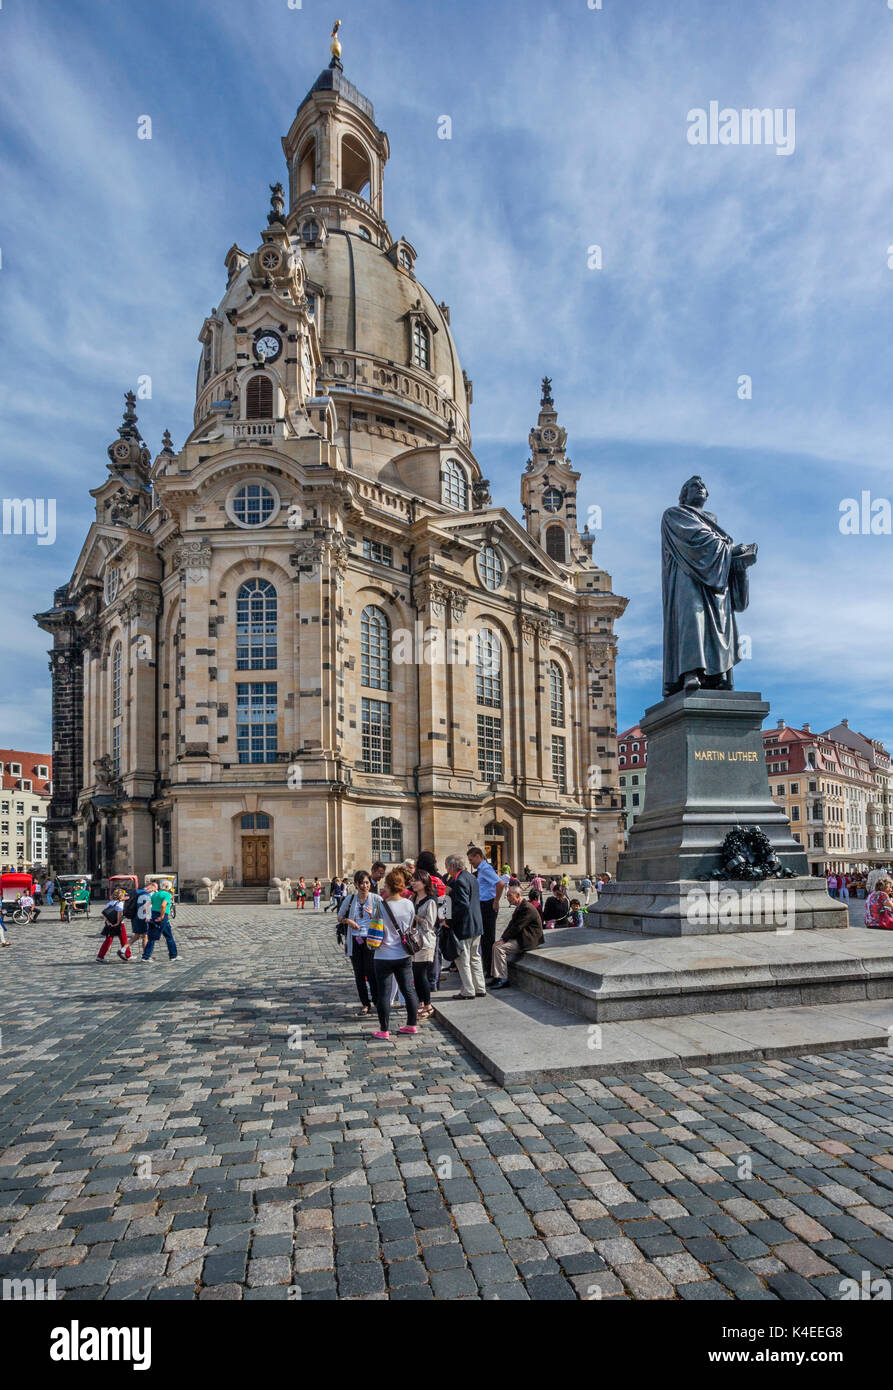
(369, 305)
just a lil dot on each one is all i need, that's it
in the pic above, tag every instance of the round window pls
(310, 232)
(552, 499)
(492, 569)
(253, 504)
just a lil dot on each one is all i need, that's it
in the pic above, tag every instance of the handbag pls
(450, 946)
(341, 927)
(410, 937)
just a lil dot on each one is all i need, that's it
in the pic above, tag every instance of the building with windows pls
(826, 788)
(26, 783)
(632, 762)
(879, 801)
(307, 639)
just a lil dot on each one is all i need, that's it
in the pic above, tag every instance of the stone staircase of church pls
(241, 896)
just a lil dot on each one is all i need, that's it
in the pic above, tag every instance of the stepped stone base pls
(518, 1038)
(616, 978)
(590, 1005)
(689, 907)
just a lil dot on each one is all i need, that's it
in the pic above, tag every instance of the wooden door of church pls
(255, 861)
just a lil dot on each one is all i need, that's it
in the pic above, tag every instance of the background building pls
(26, 781)
(830, 794)
(632, 761)
(879, 807)
(308, 639)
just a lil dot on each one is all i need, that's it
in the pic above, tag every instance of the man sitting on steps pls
(523, 933)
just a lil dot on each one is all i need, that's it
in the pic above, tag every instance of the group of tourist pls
(403, 928)
(148, 910)
(857, 884)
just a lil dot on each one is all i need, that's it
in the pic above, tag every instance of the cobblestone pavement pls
(225, 1129)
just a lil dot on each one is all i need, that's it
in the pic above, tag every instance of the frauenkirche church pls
(308, 639)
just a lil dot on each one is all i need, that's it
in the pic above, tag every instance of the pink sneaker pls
(384, 1036)
(413, 1029)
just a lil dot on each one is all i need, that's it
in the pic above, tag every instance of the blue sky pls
(569, 130)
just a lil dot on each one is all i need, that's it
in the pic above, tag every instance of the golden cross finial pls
(336, 46)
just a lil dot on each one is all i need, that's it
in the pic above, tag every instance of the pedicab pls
(12, 887)
(130, 882)
(168, 883)
(74, 895)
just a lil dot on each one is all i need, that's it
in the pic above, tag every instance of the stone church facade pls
(307, 639)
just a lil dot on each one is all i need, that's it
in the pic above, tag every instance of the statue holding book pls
(705, 583)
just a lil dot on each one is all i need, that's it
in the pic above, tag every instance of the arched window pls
(421, 346)
(567, 842)
(387, 840)
(116, 680)
(556, 547)
(375, 650)
(355, 167)
(455, 485)
(489, 672)
(259, 398)
(256, 626)
(556, 693)
(491, 567)
(307, 167)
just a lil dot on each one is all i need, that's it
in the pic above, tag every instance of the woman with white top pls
(357, 910)
(391, 959)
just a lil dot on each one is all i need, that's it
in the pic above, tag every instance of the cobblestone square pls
(228, 1129)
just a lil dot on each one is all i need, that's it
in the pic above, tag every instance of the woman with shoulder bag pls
(392, 959)
(557, 908)
(356, 914)
(426, 920)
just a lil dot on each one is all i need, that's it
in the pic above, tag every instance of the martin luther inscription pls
(718, 755)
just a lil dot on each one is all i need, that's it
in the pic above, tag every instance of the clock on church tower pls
(549, 488)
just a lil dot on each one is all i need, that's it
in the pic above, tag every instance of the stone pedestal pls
(707, 775)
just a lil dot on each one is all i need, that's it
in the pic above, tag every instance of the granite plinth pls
(694, 908)
(615, 976)
(706, 775)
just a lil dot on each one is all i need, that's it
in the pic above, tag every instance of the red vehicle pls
(12, 886)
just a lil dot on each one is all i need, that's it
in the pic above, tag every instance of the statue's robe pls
(703, 588)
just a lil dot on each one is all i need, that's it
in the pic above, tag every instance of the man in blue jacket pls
(467, 925)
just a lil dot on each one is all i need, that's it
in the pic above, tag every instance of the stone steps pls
(610, 977)
(241, 896)
(519, 1038)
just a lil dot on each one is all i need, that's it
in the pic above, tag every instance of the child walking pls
(113, 925)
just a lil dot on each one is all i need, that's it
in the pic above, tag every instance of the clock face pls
(550, 435)
(552, 499)
(267, 346)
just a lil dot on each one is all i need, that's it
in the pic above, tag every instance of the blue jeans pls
(160, 927)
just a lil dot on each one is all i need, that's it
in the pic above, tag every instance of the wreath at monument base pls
(747, 855)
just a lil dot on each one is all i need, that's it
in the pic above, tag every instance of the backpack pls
(110, 914)
(130, 903)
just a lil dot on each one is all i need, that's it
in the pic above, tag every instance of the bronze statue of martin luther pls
(705, 583)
